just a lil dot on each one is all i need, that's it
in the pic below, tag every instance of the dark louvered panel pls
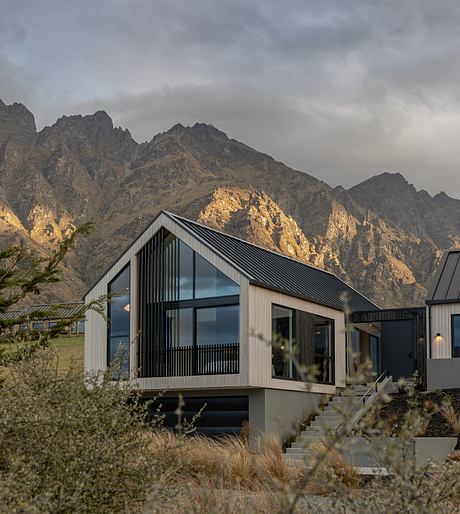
(219, 414)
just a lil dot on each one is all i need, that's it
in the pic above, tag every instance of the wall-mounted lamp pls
(127, 307)
(438, 339)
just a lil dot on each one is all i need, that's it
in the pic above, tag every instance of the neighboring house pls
(194, 311)
(42, 316)
(443, 304)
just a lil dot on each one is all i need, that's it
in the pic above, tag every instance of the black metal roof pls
(446, 286)
(10, 315)
(278, 272)
(53, 311)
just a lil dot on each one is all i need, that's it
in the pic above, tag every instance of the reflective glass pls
(119, 320)
(179, 327)
(456, 336)
(210, 282)
(217, 325)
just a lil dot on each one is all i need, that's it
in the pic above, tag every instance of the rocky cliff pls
(382, 236)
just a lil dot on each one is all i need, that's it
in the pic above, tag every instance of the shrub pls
(71, 446)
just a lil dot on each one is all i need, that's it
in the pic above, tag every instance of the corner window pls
(119, 321)
(307, 336)
(456, 336)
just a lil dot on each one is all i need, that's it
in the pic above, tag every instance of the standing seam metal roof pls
(278, 272)
(446, 287)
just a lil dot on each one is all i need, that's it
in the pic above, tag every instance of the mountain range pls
(382, 236)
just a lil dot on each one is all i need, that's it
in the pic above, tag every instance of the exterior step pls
(345, 402)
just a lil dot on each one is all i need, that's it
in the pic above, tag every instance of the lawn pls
(69, 349)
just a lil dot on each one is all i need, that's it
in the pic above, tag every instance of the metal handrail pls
(385, 373)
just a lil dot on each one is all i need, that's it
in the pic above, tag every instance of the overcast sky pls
(340, 89)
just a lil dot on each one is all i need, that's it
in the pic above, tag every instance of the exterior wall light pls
(438, 339)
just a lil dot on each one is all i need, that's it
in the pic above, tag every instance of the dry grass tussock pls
(227, 460)
(452, 417)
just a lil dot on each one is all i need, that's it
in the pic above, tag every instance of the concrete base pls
(433, 449)
(279, 411)
(443, 374)
(367, 453)
(270, 410)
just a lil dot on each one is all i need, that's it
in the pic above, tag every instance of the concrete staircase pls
(348, 405)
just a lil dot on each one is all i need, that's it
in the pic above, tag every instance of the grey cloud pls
(338, 89)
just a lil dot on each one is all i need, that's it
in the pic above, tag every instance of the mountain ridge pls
(383, 236)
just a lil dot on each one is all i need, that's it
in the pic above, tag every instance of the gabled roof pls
(275, 271)
(446, 286)
(53, 311)
(10, 315)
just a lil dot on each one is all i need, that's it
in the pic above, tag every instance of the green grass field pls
(69, 349)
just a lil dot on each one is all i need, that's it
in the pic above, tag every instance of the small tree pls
(24, 274)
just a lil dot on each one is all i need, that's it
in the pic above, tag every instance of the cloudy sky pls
(340, 89)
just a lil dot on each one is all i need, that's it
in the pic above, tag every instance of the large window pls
(210, 282)
(283, 333)
(217, 325)
(308, 337)
(456, 335)
(119, 320)
(187, 275)
(179, 328)
(189, 312)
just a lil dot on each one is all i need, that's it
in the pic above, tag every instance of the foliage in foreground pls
(67, 446)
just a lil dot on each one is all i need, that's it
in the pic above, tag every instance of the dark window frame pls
(452, 334)
(333, 344)
(195, 305)
(109, 314)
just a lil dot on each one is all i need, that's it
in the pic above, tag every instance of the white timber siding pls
(95, 358)
(441, 322)
(260, 335)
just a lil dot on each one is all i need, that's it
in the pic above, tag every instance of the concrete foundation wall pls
(280, 412)
(361, 452)
(443, 374)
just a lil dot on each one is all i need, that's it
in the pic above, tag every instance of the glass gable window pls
(456, 335)
(188, 312)
(307, 336)
(187, 275)
(119, 321)
(217, 325)
(210, 282)
(179, 328)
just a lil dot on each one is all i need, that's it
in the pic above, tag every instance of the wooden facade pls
(255, 325)
(440, 322)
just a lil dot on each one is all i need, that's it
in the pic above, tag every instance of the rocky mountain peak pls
(205, 130)
(16, 121)
(382, 236)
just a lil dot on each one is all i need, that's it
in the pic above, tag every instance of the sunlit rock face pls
(382, 236)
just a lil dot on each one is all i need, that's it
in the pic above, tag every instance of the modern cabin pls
(195, 311)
